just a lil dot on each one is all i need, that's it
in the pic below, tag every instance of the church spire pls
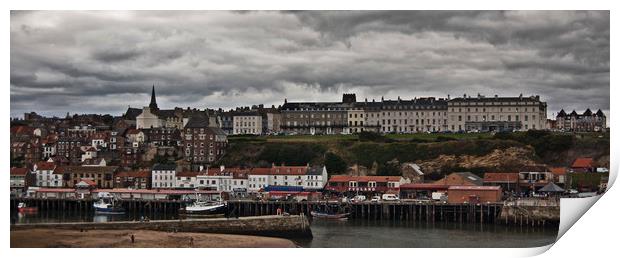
(153, 104)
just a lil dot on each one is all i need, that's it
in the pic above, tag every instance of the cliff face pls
(510, 159)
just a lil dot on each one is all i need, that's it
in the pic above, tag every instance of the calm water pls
(364, 233)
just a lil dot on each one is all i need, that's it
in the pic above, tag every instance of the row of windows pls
(501, 118)
(525, 109)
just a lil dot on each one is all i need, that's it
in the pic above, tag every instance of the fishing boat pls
(202, 208)
(107, 205)
(324, 215)
(23, 208)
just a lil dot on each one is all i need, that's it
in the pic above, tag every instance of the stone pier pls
(294, 226)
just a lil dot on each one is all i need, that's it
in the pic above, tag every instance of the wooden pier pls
(404, 211)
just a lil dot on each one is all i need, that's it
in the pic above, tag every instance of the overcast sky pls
(103, 62)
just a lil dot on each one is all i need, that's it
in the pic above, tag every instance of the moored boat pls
(107, 205)
(23, 208)
(323, 215)
(202, 208)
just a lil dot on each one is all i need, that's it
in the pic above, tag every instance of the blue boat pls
(107, 205)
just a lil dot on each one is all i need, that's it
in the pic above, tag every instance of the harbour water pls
(368, 233)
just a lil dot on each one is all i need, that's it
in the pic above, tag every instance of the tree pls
(334, 163)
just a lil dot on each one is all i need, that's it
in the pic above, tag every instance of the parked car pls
(375, 199)
(359, 198)
(389, 197)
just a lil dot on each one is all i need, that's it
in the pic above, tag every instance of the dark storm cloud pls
(102, 62)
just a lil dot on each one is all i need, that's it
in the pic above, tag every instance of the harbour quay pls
(510, 213)
(520, 213)
(292, 226)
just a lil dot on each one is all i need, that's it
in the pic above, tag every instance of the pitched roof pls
(501, 177)
(466, 176)
(132, 113)
(315, 170)
(59, 170)
(88, 182)
(187, 174)
(164, 166)
(583, 163)
(198, 121)
(413, 186)
(551, 188)
(260, 171)
(21, 129)
(558, 171)
(474, 187)
(19, 171)
(44, 165)
(415, 168)
(289, 170)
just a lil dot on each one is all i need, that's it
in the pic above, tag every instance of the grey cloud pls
(103, 61)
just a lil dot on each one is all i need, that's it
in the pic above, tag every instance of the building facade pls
(164, 176)
(249, 122)
(202, 144)
(489, 114)
(585, 122)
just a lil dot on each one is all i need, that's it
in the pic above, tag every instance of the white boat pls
(204, 208)
(324, 215)
(107, 205)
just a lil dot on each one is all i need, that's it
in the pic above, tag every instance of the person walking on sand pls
(133, 238)
(191, 241)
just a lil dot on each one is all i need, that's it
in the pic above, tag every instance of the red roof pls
(44, 165)
(345, 178)
(474, 187)
(260, 171)
(188, 174)
(89, 182)
(21, 129)
(289, 170)
(501, 177)
(56, 190)
(19, 171)
(559, 171)
(423, 187)
(583, 163)
(59, 170)
(161, 191)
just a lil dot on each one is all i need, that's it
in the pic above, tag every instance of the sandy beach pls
(143, 238)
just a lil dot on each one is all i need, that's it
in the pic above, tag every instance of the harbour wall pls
(530, 215)
(294, 226)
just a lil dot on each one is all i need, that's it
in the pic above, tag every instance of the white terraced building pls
(164, 176)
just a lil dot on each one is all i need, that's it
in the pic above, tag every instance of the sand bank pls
(143, 238)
